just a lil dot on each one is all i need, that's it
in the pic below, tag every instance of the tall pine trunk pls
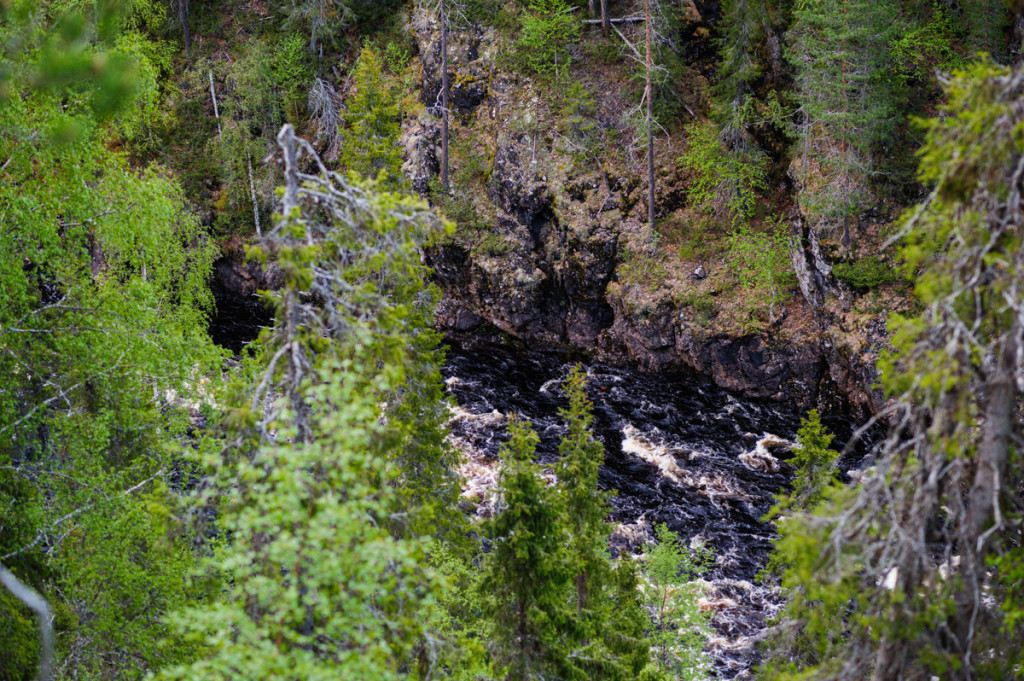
(444, 95)
(650, 116)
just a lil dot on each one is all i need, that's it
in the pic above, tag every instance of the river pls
(677, 451)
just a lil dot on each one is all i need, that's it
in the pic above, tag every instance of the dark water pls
(676, 451)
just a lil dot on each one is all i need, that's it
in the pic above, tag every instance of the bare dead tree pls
(182, 7)
(605, 19)
(213, 96)
(324, 209)
(325, 114)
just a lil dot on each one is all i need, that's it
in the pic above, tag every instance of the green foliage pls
(762, 265)
(608, 620)
(373, 123)
(841, 55)
(679, 629)
(866, 273)
(728, 183)
(291, 73)
(926, 46)
(870, 584)
(21, 640)
(548, 32)
(528, 572)
(577, 113)
(325, 574)
(254, 94)
(396, 57)
(814, 463)
(103, 311)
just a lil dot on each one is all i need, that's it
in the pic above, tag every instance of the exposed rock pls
(421, 138)
(241, 312)
(542, 270)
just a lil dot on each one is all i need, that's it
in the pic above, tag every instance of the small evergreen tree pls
(678, 627)
(372, 125)
(585, 505)
(606, 636)
(548, 31)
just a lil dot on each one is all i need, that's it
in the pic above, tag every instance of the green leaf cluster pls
(372, 125)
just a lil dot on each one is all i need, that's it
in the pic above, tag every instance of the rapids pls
(676, 451)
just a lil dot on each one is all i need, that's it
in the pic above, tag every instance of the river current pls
(677, 451)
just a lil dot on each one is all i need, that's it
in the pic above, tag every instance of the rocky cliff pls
(554, 250)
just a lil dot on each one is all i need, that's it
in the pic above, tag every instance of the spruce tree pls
(846, 104)
(528, 573)
(585, 505)
(372, 125)
(607, 631)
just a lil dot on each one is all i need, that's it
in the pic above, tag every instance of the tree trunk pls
(650, 117)
(444, 96)
(252, 191)
(606, 25)
(183, 18)
(216, 112)
(983, 507)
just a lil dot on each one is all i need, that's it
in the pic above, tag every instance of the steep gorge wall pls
(559, 232)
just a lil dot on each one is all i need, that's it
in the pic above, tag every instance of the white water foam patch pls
(665, 457)
(741, 609)
(479, 470)
(632, 535)
(760, 458)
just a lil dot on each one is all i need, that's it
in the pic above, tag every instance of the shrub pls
(762, 265)
(728, 182)
(865, 274)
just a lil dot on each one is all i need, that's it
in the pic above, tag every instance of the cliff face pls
(557, 255)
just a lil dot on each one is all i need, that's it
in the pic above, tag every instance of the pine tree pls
(528, 573)
(373, 124)
(839, 51)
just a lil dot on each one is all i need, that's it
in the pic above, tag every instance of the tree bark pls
(984, 517)
(650, 116)
(183, 18)
(216, 112)
(606, 25)
(444, 96)
(252, 191)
